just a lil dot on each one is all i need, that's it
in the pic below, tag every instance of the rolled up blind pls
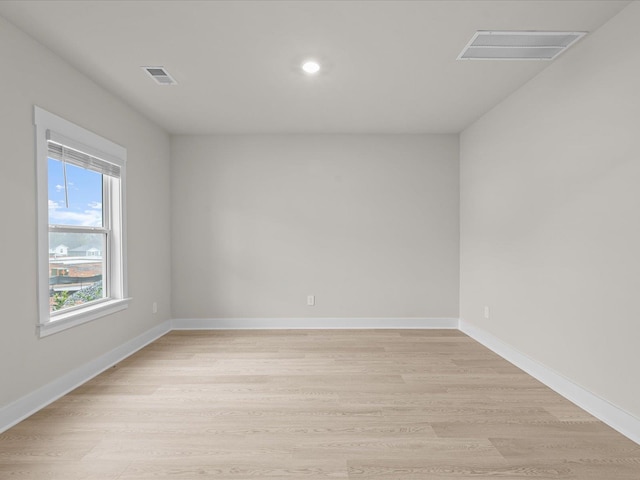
(73, 153)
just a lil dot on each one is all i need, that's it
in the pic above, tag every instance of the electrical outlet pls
(486, 312)
(154, 307)
(311, 300)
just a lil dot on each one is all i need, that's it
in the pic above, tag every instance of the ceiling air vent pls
(160, 75)
(487, 45)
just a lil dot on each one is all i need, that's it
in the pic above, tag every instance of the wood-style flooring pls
(301, 404)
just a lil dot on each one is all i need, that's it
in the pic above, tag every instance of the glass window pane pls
(76, 268)
(84, 195)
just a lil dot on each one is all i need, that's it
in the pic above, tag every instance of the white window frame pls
(49, 125)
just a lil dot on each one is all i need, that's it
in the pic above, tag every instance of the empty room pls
(320, 239)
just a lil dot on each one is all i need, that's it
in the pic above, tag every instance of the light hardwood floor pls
(376, 404)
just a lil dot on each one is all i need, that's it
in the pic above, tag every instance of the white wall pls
(368, 224)
(550, 237)
(31, 74)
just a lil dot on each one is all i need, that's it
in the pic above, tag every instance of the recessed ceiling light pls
(311, 67)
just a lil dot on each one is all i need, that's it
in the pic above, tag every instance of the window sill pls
(78, 317)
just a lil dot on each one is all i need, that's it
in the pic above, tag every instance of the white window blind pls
(66, 154)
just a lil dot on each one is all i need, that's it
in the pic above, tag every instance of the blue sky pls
(85, 196)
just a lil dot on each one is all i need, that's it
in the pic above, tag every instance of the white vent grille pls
(487, 45)
(160, 75)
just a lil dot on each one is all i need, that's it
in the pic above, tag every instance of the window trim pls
(83, 140)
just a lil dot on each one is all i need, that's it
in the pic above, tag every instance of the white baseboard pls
(22, 408)
(618, 419)
(311, 323)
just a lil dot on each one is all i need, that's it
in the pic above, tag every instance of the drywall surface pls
(549, 215)
(32, 75)
(368, 224)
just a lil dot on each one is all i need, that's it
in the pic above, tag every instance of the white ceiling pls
(388, 66)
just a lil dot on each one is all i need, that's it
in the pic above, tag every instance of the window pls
(81, 241)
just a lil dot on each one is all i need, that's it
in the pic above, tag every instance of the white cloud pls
(63, 216)
(88, 218)
(59, 188)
